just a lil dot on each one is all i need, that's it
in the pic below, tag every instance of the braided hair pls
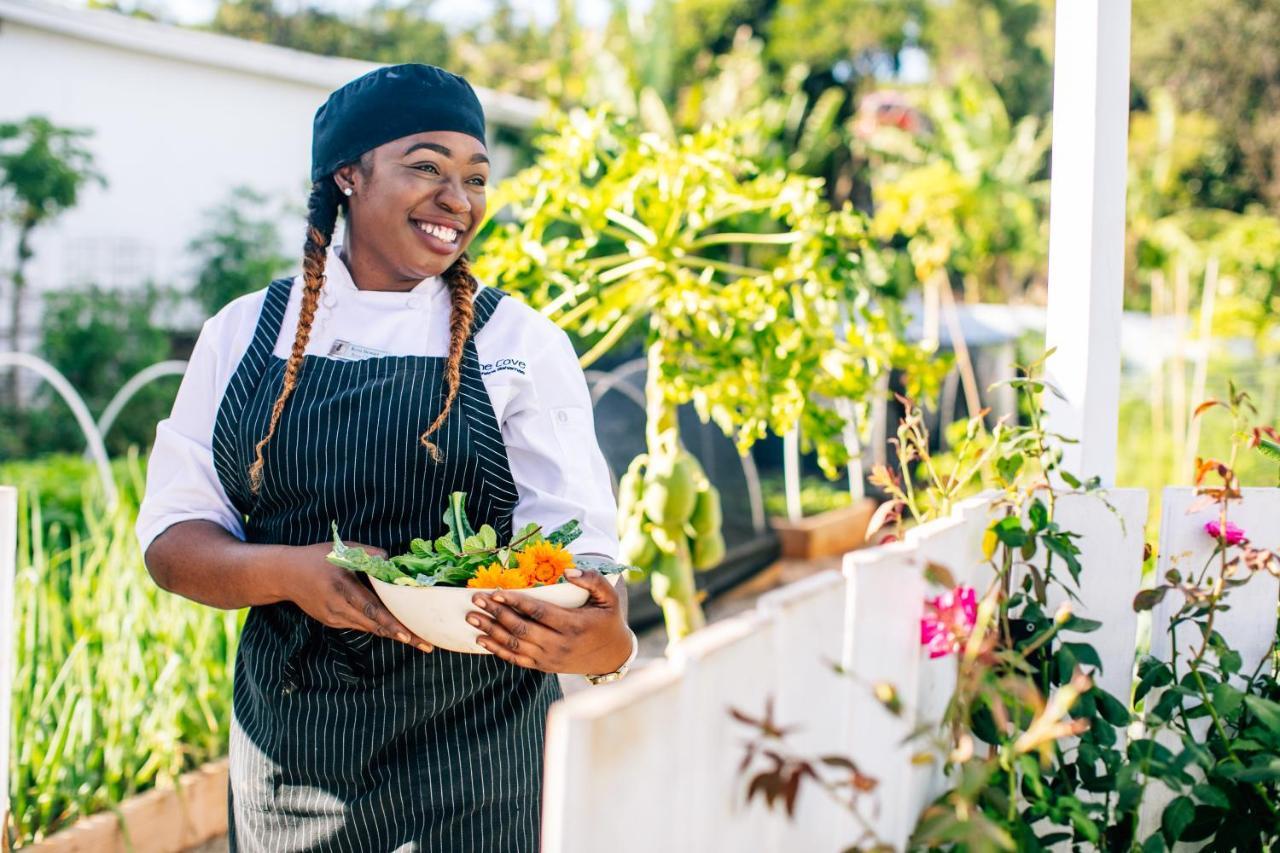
(322, 216)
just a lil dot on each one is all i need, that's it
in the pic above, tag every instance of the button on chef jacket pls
(527, 363)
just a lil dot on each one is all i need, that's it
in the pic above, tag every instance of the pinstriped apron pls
(342, 740)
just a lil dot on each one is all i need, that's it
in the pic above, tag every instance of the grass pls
(117, 685)
(1147, 453)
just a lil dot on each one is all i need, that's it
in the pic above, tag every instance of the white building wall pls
(172, 137)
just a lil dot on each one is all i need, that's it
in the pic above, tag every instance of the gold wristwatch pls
(620, 671)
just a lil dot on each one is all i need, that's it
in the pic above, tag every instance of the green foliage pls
(1009, 42)
(1036, 754)
(967, 196)
(1023, 683)
(845, 38)
(1215, 58)
(817, 494)
(43, 170)
(1225, 778)
(239, 250)
(98, 338)
(86, 736)
(384, 32)
(66, 486)
(755, 300)
(744, 279)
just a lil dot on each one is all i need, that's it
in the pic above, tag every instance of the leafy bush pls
(239, 250)
(98, 339)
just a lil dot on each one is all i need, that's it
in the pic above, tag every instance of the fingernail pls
(426, 648)
(573, 573)
(479, 641)
(498, 598)
(474, 620)
(402, 637)
(480, 602)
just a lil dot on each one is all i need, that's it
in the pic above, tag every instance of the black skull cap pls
(389, 103)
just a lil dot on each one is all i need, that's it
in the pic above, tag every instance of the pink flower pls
(948, 620)
(1232, 536)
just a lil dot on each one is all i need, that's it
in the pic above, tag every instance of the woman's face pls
(416, 204)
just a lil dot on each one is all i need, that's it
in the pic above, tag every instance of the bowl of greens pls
(429, 588)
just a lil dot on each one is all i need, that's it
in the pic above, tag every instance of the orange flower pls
(497, 576)
(544, 563)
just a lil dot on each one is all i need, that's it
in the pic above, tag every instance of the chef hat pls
(389, 103)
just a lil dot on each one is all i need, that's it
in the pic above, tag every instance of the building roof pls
(220, 51)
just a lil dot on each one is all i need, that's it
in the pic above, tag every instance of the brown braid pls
(322, 216)
(462, 290)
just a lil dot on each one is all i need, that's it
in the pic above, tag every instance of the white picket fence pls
(651, 763)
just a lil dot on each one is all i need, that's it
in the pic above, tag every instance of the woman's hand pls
(589, 640)
(335, 597)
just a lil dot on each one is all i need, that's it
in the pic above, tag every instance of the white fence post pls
(8, 617)
(1086, 228)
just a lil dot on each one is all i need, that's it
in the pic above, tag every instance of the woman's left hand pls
(589, 640)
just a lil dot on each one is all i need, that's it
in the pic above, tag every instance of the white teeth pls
(444, 233)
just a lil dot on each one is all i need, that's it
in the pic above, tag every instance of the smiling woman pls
(419, 200)
(355, 394)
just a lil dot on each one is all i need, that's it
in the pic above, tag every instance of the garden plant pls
(753, 299)
(1035, 753)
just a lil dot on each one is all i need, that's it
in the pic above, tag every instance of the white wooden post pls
(8, 615)
(1086, 228)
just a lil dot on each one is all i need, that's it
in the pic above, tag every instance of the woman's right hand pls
(337, 598)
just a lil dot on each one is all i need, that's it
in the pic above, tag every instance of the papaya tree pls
(757, 303)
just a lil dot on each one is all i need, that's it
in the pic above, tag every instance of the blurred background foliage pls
(930, 117)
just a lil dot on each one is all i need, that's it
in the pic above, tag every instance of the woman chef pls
(364, 392)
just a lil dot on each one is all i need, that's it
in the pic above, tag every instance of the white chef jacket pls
(527, 363)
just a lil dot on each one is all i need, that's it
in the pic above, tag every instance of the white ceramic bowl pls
(438, 614)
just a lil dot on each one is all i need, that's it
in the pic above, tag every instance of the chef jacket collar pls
(338, 281)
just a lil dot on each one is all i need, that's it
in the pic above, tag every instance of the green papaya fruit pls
(666, 541)
(636, 547)
(669, 579)
(669, 491)
(630, 489)
(708, 550)
(706, 515)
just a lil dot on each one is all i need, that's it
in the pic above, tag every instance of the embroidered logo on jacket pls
(513, 364)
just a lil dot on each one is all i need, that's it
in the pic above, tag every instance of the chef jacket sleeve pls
(182, 484)
(555, 459)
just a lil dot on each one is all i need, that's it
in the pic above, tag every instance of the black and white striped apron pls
(342, 740)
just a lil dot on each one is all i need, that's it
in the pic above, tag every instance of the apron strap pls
(269, 321)
(484, 304)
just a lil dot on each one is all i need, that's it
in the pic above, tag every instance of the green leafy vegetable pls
(360, 560)
(454, 558)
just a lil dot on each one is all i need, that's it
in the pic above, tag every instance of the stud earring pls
(347, 191)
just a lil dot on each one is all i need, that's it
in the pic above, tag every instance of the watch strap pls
(620, 671)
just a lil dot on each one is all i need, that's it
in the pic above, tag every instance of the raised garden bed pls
(167, 819)
(826, 534)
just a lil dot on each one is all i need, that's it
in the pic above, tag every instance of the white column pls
(8, 614)
(1086, 228)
